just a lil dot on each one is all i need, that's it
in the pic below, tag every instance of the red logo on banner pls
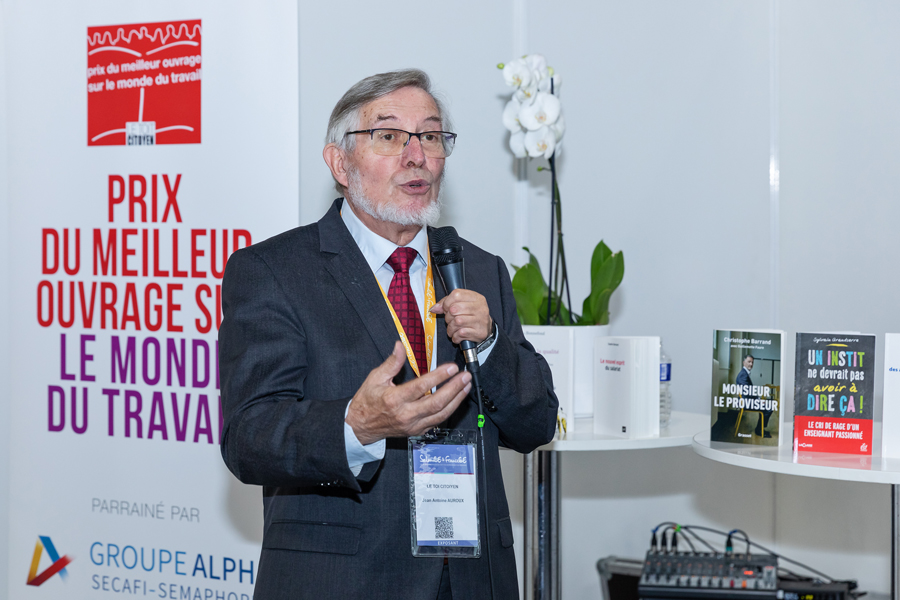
(827, 434)
(144, 84)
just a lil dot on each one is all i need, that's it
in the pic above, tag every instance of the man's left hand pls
(466, 314)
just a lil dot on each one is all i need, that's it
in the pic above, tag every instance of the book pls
(626, 386)
(834, 385)
(890, 416)
(747, 381)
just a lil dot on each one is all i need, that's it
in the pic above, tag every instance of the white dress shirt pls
(377, 250)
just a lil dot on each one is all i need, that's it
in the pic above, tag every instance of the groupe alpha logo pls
(58, 566)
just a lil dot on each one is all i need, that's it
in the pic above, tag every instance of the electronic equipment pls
(669, 574)
(811, 590)
(726, 576)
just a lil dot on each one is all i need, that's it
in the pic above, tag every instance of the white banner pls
(147, 141)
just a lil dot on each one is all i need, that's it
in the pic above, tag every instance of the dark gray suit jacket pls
(304, 323)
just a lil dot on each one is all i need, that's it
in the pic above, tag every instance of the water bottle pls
(665, 396)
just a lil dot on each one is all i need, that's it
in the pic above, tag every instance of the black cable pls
(700, 539)
(746, 537)
(474, 369)
(666, 543)
(672, 523)
(764, 549)
(689, 543)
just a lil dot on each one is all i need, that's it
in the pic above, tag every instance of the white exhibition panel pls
(131, 488)
(5, 320)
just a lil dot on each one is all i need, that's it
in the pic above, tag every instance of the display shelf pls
(581, 438)
(781, 459)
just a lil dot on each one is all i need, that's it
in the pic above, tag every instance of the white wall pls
(840, 186)
(5, 345)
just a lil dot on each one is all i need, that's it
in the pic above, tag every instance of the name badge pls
(444, 490)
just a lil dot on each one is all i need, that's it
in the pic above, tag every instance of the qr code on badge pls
(443, 528)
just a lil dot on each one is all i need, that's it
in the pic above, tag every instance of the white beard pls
(392, 213)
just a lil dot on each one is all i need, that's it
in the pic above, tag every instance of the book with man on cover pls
(834, 384)
(746, 387)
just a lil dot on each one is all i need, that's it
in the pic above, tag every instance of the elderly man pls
(320, 395)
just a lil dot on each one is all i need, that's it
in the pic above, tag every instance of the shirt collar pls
(376, 249)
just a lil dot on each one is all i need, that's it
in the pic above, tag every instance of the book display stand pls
(542, 491)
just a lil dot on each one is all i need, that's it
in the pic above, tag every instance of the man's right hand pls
(382, 409)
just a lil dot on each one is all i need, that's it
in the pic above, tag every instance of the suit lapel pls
(348, 267)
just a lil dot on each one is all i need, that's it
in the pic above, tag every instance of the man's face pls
(748, 362)
(401, 189)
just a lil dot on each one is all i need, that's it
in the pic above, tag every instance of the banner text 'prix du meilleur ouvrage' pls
(144, 292)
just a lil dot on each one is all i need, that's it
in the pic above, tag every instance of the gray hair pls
(345, 116)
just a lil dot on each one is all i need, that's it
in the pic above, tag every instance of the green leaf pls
(618, 270)
(607, 271)
(532, 259)
(528, 312)
(564, 317)
(587, 317)
(602, 275)
(600, 306)
(529, 282)
(601, 255)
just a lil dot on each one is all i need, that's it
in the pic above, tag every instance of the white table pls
(683, 426)
(842, 467)
(542, 581)
(780, 459)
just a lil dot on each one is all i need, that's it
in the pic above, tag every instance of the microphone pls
(446, 255)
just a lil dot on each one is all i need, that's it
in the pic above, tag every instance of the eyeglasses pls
(391, 142)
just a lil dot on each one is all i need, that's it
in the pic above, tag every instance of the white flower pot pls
(569, 350)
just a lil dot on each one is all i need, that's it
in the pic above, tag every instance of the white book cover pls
(557, 346)
(890, 428)
(626, 386)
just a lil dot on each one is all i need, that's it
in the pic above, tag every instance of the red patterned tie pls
(404, 302)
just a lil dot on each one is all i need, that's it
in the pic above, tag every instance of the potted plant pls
(534, 118)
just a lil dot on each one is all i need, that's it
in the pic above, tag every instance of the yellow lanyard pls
(430, 322)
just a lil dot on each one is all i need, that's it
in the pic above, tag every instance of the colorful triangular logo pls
(58, 566)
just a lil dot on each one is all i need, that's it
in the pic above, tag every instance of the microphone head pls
(445, 246)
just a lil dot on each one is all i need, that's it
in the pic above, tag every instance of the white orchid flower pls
(517, 74)
(538, 65)
(559, 128)
(517, 144)
(525, 95)
(542, 112)
(541, 142)
(511, 115)
(544, 84)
